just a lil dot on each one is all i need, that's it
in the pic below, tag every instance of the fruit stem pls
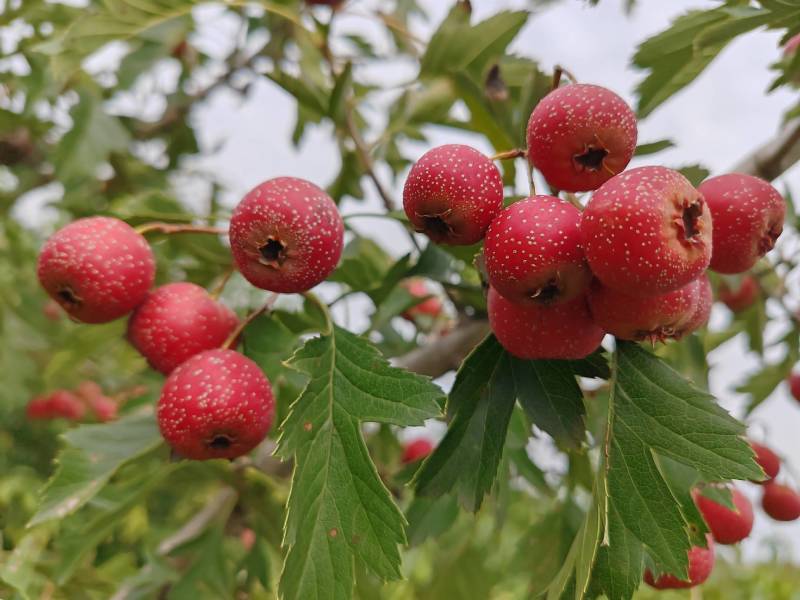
(220, 287)
(531, 184)
(509, 154)
(231, 341)
(170, 228)
(558, 72)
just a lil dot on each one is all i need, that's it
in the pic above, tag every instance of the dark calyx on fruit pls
(592, 158)
(221, 441)
(67, 295)
(436, 226)
(691, 219)
(547, 293)
(273, 253)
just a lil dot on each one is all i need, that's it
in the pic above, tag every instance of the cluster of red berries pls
(87, 399)
(632, 263)
(286, 235)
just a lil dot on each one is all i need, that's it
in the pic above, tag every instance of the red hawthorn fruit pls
(701, 563)
(639, 318)
(748, 217)
(88, 390)
(432, 306)
(247, 538)
(767, 460)
(533, 252)
(452, 193)
(103, 407)
(286, 235)
(416, 450)
(66, 405)
(176, 321)
(39, 408)
(581, 135)
(703, 304)
(564, 331)
(781, 502)
(794, 385)
(217, 404)
(647, 231)
(98, 269)
(741, 298)
(726, 525)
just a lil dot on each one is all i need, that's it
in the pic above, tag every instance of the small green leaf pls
(653, 147)
(694, 173)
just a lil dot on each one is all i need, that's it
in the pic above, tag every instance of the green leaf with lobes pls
(339, 511)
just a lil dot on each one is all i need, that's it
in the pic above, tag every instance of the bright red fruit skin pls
(748, 217)
(432, 306)
(286, 235)
(647, 231)
(533, 252)
(726, 525)
(564, 331)
(794, 385)
(581, 135)
(417, 450)
(767, 460)
(177, 321)
(781, 502)
(701, 563)
(742, 298)
(39, 408)
(452, 193)
(638, 318)
(703, 303)
(98, 269)
(217, 404)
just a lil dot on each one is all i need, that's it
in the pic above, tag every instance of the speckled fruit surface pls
(452, 193)
(533, 252)
(217, 404)
(98, 269)
(748, 217)
(647, 231)
(702, 306)
(581, 135)
(564, 331)
(286, 235)
(176, 321)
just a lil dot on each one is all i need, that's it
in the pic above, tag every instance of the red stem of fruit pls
(170, 228)
(558, 72)
(247, 320)
(510, 154)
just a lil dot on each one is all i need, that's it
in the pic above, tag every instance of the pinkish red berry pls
(452, 194)
(286, 235)
(417, 450)
(176, 321)
(564, 331)
(791, 46)
(701, 563)
(98, 269)
(39, 408)
(794, 385)
(103, 407)
(217, 404)
(739, 298)
(647, 231)
(702, 307)
(653, 318)
(781, 502)
(769, 462)
(431, 306)
(533, 252)
(581, 135)
(66, 405)
(88, 390)
(748, 217)
(727, 526)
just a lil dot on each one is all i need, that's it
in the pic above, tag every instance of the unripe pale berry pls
(767, 460)
(533, 252)
(98, 269)
(703, 303)
(431, 306)
(564, 331)
(748, 217)
(176, 321)
(794, 385)
(286, 235)
(452, 193)
(701, 563)
(647, 231)
(639, 318)
(581, 135)
(416, 450)
(727, 526)
(217, 404)
(740, 298)
(781, 502)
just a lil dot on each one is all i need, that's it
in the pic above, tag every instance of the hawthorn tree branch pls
(446, 353)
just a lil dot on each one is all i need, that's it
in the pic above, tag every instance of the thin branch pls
(510, 154)
(170, 228)
(231, 341)
(775, 157)
(366, 160)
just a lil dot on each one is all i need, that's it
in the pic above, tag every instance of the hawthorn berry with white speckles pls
(728, 526)
(702, 307)
(647, 231)
(581, 135)
(748, 217)
(452, 194)
(639, 318)
(177, 321)
(286, 235)
(533, 252)
(98, 269)
(217, 404)
(701, 563)
(563, 331)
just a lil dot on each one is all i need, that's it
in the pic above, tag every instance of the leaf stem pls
(231, 341)
(218, 289)
(510, 154)
(171, 228)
